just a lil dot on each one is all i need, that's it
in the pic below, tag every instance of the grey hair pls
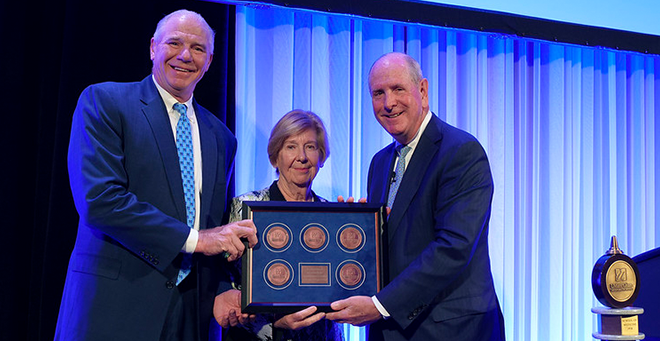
(293, 123)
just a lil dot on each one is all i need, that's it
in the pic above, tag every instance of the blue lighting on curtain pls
(570, 131)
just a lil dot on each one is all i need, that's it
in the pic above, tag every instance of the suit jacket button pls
(170, 285)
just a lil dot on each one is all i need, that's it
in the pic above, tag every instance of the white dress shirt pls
(169, 100)
(413, 146)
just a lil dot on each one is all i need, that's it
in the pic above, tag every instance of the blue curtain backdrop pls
(570, 131)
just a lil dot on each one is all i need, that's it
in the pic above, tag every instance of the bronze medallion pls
(615, 278)
(350, 274)
(278, 274)
(314, 237)
(277, 237)
(621, 280)
(350, 238)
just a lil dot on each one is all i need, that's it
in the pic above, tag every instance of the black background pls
(50, 52)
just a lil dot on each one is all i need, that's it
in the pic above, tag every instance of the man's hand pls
(340, 198)
(227, 239)
(356, 310)
(301, 319)
(227, 309)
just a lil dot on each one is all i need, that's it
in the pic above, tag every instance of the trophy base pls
(618, 324)
(618, 337)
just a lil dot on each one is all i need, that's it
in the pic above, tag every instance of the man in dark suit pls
(150, 250)
(440, 283)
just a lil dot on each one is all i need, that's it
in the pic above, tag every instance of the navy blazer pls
(126, 184)
(439, 268)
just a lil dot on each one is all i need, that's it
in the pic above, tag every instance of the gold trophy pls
(615, 281)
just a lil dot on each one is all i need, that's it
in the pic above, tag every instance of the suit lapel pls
(382, 171)
(428, 146)
(210, 154)
(156, 114)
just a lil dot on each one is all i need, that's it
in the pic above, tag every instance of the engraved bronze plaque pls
(314, 274)
(311, 254)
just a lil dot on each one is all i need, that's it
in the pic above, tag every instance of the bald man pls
(149, 170)
(440, 285)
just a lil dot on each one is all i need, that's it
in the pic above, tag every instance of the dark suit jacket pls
(440, 281)
(126, 183)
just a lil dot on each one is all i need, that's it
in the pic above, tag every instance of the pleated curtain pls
(570, 131)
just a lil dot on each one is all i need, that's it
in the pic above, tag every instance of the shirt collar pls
(169, 101)
(412, 144)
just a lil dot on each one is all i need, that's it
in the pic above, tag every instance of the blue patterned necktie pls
(185, 150)
(398, 173)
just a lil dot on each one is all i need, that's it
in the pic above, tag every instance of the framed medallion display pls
(311, 254)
